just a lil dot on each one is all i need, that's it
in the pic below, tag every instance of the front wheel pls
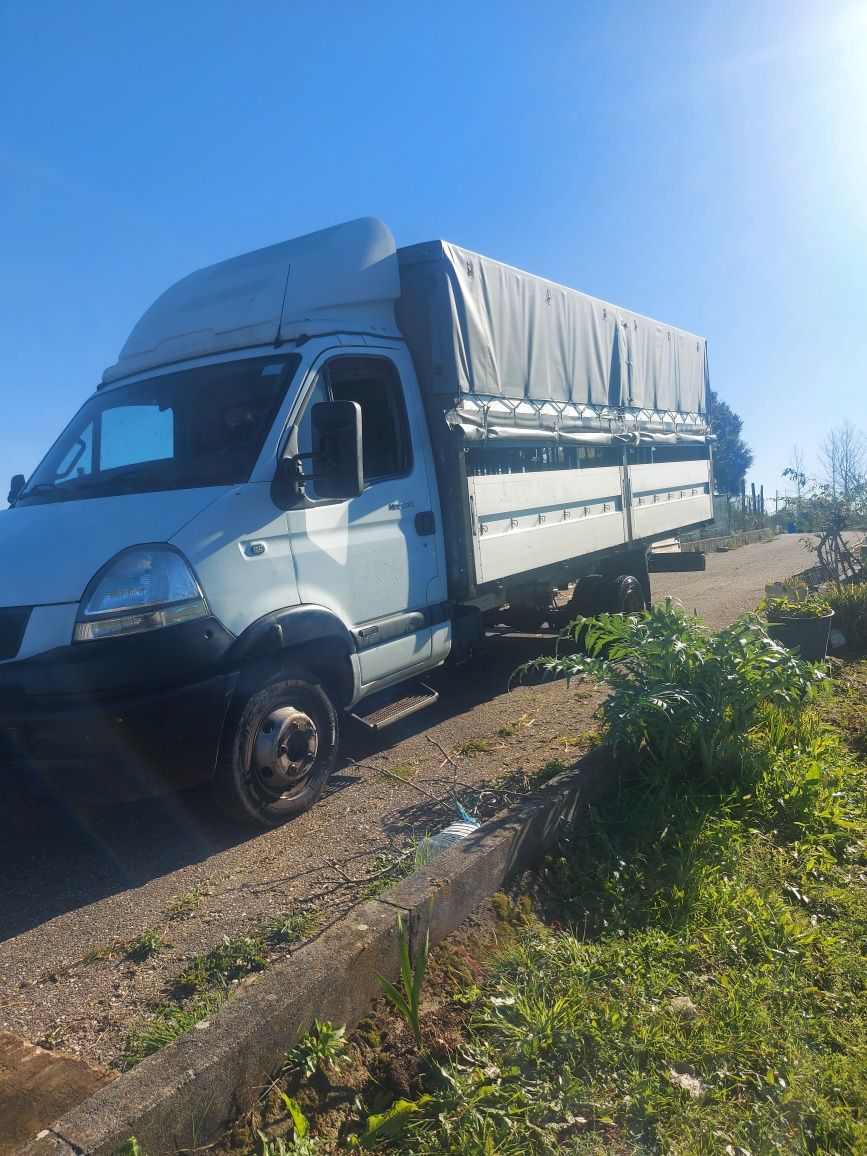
(278, 751)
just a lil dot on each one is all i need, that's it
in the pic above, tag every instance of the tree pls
(843, 456)
(796, 471)
(732, 457)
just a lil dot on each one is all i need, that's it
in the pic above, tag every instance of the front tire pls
(278, 751)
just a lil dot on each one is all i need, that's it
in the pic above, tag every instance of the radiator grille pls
(13, 623)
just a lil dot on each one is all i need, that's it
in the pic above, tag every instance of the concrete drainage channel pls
(183, 1096)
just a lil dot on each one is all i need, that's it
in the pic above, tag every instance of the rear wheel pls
(278, 751)
(628, 595)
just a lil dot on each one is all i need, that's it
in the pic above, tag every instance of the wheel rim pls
(284, 751)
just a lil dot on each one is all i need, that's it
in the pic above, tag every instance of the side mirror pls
(15, 488)
(337, 462)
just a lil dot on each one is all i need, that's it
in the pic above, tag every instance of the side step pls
(376, 714)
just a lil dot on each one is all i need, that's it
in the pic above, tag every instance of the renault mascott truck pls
(314, 474)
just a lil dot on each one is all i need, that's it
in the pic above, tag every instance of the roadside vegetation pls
(685, 975)
(210, 979)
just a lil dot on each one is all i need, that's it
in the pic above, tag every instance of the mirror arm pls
(295, 464)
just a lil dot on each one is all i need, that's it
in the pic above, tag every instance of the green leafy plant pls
(849, 603)
(145, 945)
(231, 960)
(384, 1128)
(130, 1148)
(301, 1143)
(290, 928)
(184, 906)
(682, 695)
(412, 980)
(777, 609)
(322, 1048)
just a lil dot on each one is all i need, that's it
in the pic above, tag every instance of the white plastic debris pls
(434, 844)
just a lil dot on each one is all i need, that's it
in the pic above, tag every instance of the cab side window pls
(374, 383)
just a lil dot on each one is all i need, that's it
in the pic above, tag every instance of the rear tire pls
(278, 750)
(628, 595)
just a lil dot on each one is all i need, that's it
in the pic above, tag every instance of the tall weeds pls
(683, 695)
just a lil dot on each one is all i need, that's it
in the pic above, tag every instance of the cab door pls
(370, 559)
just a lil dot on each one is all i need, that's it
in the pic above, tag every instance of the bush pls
(684, 695)
(849, 604)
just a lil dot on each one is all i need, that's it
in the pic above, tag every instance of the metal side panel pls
(668, 496)
(525, 521)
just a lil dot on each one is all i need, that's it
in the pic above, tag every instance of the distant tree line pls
(732, 457)
(841, 460)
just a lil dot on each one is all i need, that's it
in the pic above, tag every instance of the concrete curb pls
(183, 1096)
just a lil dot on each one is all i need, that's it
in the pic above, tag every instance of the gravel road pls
(76, 887)
(734, 582)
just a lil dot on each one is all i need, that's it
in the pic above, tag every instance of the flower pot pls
(808, 636)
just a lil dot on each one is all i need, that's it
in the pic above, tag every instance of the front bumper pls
(121, 718)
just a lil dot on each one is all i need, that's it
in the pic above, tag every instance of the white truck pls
(314, 474)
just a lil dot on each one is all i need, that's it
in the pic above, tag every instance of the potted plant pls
(801, 623)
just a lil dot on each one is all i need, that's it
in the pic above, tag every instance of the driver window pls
(373, 383)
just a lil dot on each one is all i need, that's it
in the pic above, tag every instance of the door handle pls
(425, 523)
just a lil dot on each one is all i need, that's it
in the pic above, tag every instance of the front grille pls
(13, 623)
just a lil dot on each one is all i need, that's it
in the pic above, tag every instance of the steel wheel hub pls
(285, 749)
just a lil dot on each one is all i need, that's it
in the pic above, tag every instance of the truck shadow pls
(56, 857)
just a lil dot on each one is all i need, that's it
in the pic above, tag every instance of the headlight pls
(141, 589)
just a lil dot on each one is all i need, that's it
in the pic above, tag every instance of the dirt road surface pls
(734, 583)
(76, 887)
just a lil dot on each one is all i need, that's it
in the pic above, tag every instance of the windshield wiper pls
(118, 482)
(45, 488)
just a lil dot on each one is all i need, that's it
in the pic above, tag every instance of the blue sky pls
(702, 163)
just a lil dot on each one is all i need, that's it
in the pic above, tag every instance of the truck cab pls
(235, 540)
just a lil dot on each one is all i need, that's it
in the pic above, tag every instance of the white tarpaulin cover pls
(480, 328)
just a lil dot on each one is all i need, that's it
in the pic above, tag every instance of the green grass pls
(697, 982)
(694, 980)
(290, 928)
(225, 964)
(404, 771)
(197, 993)
(169, 1021)
(476, 747)
(104, 952)
(184, 906)
(516, 726)
(543, 774)
(148, 944)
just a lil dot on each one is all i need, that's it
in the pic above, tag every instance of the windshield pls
(197, 427)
